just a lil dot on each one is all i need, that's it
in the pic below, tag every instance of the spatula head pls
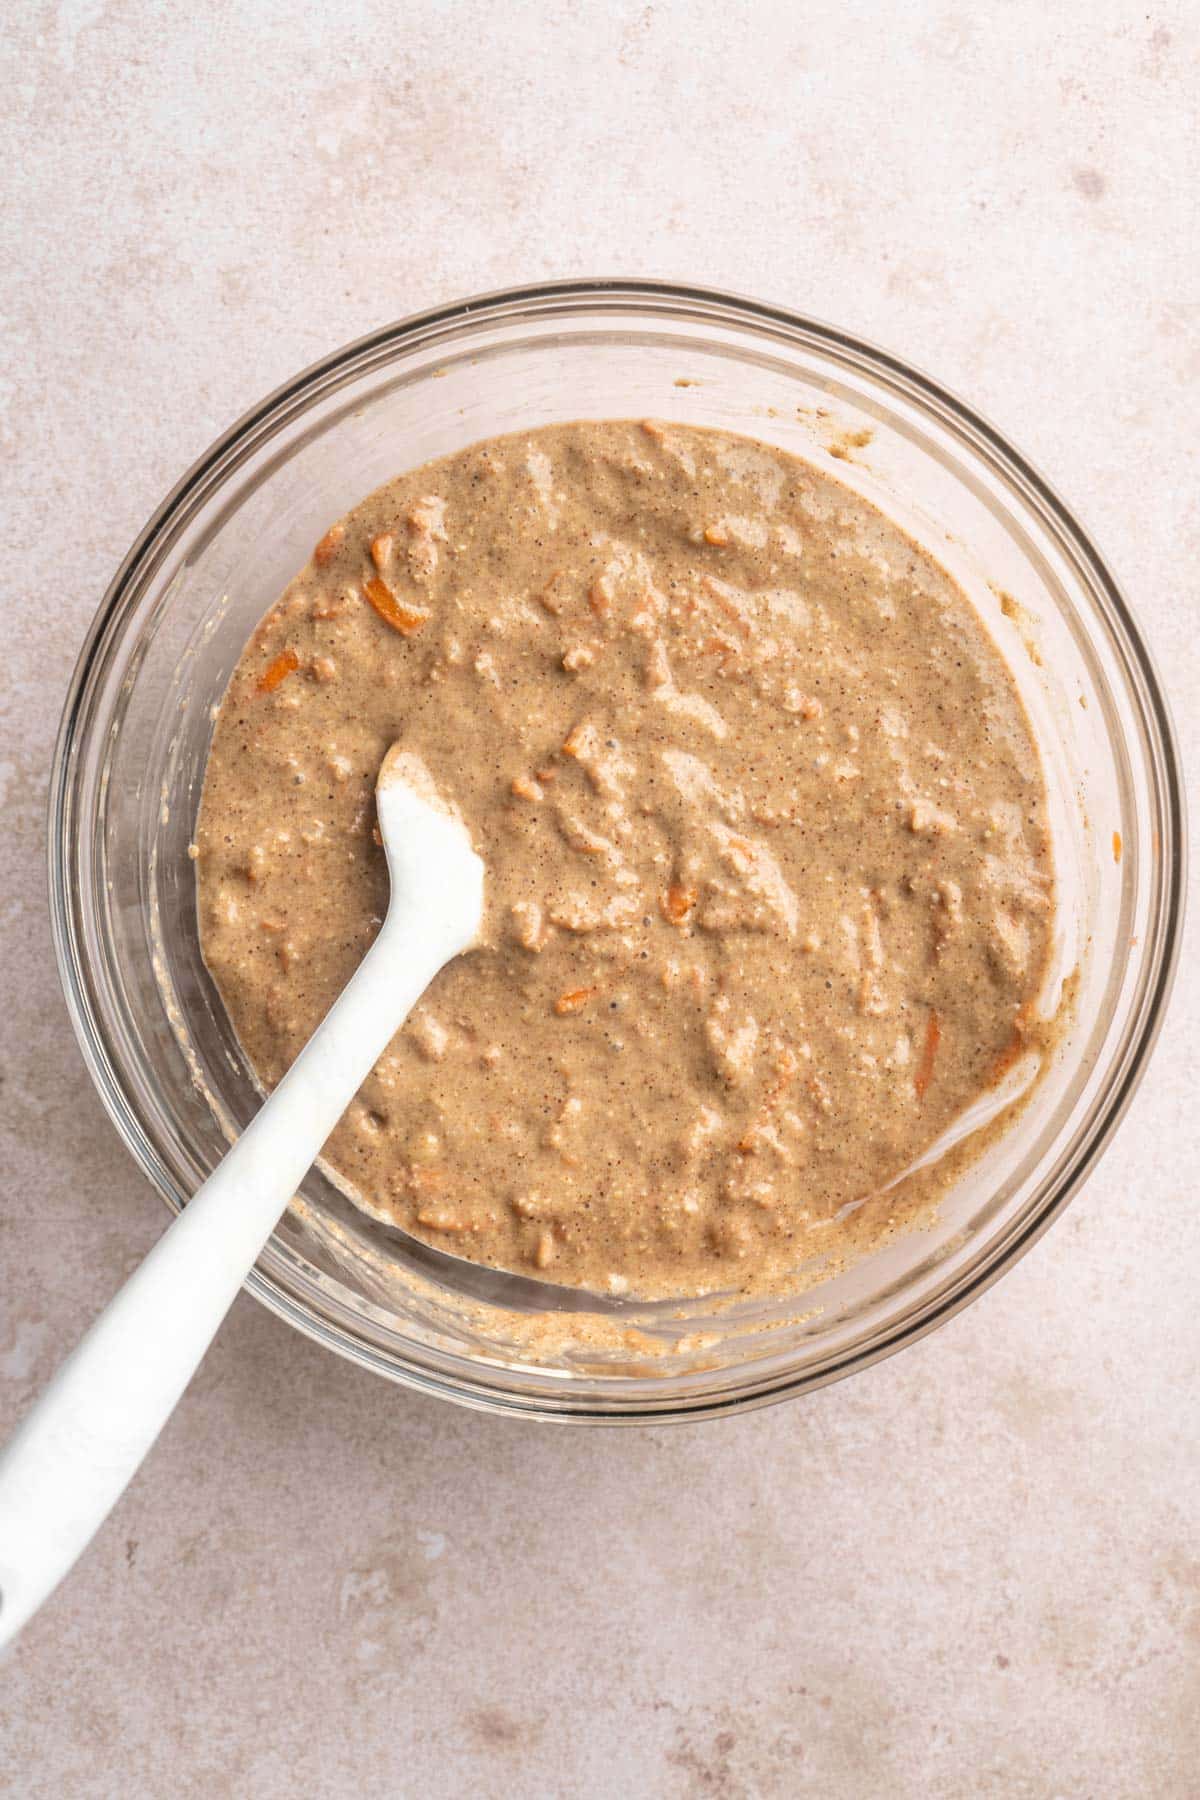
(431, 860)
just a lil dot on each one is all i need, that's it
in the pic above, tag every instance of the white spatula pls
(74, 1452)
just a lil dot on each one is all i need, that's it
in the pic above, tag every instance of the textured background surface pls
(974, 1570)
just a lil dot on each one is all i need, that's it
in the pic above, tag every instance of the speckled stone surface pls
(974, 1570)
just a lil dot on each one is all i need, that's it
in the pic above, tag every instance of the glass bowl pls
(136, 728)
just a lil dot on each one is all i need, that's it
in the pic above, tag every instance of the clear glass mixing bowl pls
(136, 729)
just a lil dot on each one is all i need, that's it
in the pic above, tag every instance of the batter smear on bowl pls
(769, 894)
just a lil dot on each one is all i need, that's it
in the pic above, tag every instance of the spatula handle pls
(84, 1438)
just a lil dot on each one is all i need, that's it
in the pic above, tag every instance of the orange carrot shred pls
(329, 545)
(285, 664)
(575, 1000)
(676, 904)
(933, 1037)
(401, 618)
(1116, 846)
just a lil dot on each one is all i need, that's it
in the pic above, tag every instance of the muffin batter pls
(769, 884)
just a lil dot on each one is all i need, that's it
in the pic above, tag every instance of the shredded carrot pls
(381, 549)
(576, 1000)
(933, 1037)
(676, 904)
(401, 618)
(1116, 846)
(285, 664)
(329, 545)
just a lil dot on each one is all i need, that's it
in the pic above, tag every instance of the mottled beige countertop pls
(974, 1570)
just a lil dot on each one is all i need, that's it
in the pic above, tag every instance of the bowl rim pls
(577, 295)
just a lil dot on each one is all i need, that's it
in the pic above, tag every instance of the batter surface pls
(769, 884)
